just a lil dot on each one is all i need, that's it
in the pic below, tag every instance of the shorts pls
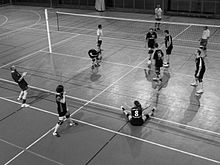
(64, 115)
(203, 42)
(169, 50)
(151, 44)
(137, 121)
(200, 77)
(99, 43)
(158, 19)
(23, 85)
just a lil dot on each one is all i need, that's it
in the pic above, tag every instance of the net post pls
(58, 28)
(48, 31)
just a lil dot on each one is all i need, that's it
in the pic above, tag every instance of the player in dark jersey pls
(169, 47)
(62, 109)
(96, 57)
(199, 72)
(158, 57)
(151, 38)
(138, 115)
(19, 78)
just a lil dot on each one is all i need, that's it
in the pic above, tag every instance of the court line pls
(121, 64)
(112, 131)
(6, 20)
(23, 57)
(214, 43)
(9, 32)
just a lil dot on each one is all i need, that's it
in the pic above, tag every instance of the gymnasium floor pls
(185, 128)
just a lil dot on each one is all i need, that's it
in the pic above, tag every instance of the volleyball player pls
(204, 39)
(95, 56)
(62, 110)
(169, 46)
(158, 16)
(158, 57)
(19, 79)
(151, 38)
(99, 37)
(199, 72)
(138, 115)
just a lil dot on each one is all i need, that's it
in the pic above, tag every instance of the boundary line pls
(112, 131)
(6, 20)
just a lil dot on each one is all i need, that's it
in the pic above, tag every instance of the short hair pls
(12, 68)
(166, 31)
(137, 103)
(99, 26)
(198, 51)
(59, 89)
(151, 29)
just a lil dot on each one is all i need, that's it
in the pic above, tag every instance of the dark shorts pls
(203, 42)
(137, 121)
(99, 43)
(158, 19)
(151, 44)
(200, 77)
(63, 113)
(169, 50)
(23, 85)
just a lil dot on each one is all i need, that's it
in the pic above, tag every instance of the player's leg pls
(195, 83)
(200, 85)
(59, 123)
(70, 120)
(20, 95)
(126, 113)
(24, 98)
(148, 112)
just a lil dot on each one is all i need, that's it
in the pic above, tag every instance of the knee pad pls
(150, 51)
(60, 122)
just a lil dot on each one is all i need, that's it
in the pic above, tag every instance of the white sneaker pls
(155, 79)
(24, 105)
(200, 91)
(56, 134)
(73, 124)
(194, 84)
(19, 98)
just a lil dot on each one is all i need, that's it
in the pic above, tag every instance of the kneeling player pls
(62, 109)
(96, 57)
(138, 115)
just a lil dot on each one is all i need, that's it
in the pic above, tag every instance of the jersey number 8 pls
(136, 114)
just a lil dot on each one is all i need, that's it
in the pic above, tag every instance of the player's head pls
(60, 89)
(158, 5)
(166, 32)
(100, 26)
(151, 30)
(198, 53)
(12, 68)
(205, 27)
(137, 103)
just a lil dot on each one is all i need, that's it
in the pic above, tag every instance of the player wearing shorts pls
(138, 115)
(151, 38)
(62, 109)
(19, 78)
(199, 72)
(204, 39)
(96, 57)
(99, 37)
(158, 16)
(169, 46)
(158, 57)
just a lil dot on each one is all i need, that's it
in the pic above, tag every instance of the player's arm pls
(22, 76)
(200, 67)
(62, 97)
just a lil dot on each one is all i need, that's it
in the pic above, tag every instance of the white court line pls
(9, 32)
(108, 130)
(19, 59)
(6, 20)
(214, 43)
(117, 108)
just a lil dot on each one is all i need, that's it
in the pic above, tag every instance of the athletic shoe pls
(24, 105)
(165, 65)
(122, 108)
(194, 84)
(56, 134)
(155, 79)
(73, 124)
(200, 91)
(19, 98)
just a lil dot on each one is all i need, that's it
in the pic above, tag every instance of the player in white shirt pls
(99, 37)
(204, 39)
(158, 16)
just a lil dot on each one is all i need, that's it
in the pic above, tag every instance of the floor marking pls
(6, 20)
